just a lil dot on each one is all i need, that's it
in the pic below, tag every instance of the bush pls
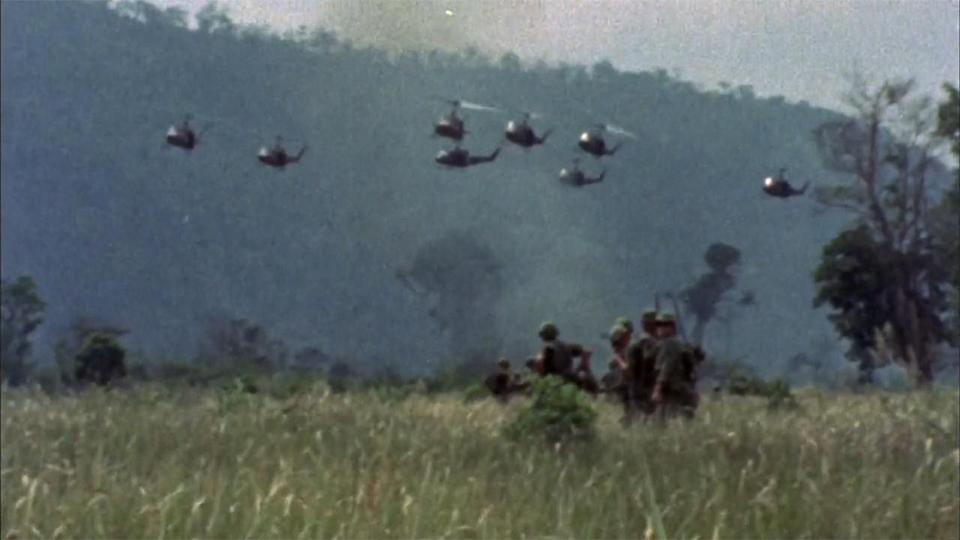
(475, 392)
(101, 361)
(558, 411)
(777, 391)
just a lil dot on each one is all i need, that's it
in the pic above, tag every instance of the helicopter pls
(520, 133)
(182, 136)
(592, 142)
(576, 178)
(779, 187)
(458, 157)
(277, 156)
(451, 125)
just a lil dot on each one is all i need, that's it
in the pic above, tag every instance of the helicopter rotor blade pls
(529, 115)
(477, 106)
(618, 130)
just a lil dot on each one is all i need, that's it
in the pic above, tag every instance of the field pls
(176, 463)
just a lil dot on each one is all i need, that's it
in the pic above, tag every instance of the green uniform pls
(500, 383)
(641, 375)
(558, 359)
(675, 375)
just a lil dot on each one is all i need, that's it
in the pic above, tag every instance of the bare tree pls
(887, 149)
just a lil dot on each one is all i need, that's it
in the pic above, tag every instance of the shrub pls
(777, 391)
(475, 392)
(101, 360)
(558, 411)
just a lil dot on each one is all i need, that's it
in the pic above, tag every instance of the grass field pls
(164, 463)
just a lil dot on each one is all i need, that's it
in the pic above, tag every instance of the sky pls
(799, 49)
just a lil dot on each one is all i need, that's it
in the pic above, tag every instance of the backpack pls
(562, 361)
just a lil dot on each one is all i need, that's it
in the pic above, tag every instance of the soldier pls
(620, 338)
(585, 378)
(641, 368)
(556, 357)
(500, 382)
(614, 380)
(520, 384)
(626, 324)
(673, 392)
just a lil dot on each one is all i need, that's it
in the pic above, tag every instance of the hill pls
(113, 223)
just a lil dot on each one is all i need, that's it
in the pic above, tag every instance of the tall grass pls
(162, 463)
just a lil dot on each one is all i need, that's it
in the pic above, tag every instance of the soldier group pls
(654, 375)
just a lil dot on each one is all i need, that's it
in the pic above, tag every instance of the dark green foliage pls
(558, 412)
(100, 361)
(777, 391)
(859, 278)
(475, 392)
(884, 276)
(945, 216)
(21, 312)
(948, 118)
(720, 371)
(245, 384)
(68, 346)
(854, 278)
(236, 392)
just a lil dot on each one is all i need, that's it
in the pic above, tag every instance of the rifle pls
(676, 311)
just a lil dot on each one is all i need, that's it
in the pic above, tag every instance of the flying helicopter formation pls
(185, 137)
(452, 126)
(520, 132)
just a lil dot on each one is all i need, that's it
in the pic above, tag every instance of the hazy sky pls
(795, 48)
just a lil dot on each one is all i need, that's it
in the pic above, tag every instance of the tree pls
(239, 343)
(21, 312)
(883, 275)
(213, 18)
(66, 349)
(464, 277)
(101, 360)
(946, 215)
(703, 297)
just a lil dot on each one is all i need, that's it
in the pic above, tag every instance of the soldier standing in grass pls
(640, 376)
(585, 377)
(501, 382)
(674, 393)
(614, 382)
(556, 357)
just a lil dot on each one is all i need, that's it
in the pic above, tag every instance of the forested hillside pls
(366, 248)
